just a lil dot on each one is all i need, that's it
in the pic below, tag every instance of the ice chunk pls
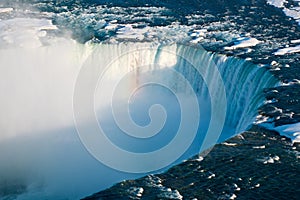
(6, 10)
(136, 191)
(291, 12)
(229, 144)
(243, 43)
(295, 41)
(269, 159)
(287, 50)
(291, 131)
(233, 196)
(259, 147)
(277, 3)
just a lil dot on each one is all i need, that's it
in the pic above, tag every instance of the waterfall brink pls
(243, 81)
(41, 154)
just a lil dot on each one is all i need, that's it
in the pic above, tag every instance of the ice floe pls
(294, 81)
(236, 187)
(277, 3)
(199, 159)
(259, 147)
(170, 194)
(287, 50)
(233, 196)
(211, 176)
(136, 191)
(229, 144)
(291, 131)
(269, 159)
(243, 42)
(293, 12)
(260, 119)
(164, 192)
(6, 10)
(295, 41)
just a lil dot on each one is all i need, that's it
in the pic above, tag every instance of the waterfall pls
(243, 81)
(40, 151)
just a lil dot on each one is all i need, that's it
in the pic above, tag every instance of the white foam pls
(287, 50)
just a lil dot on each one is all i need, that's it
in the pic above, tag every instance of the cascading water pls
(40, 152)
(243, 81)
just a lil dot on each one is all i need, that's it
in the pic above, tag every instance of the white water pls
(39, 147)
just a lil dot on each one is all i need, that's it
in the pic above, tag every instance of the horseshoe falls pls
(42, 156)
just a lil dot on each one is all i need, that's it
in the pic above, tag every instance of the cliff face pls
(256, 164)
